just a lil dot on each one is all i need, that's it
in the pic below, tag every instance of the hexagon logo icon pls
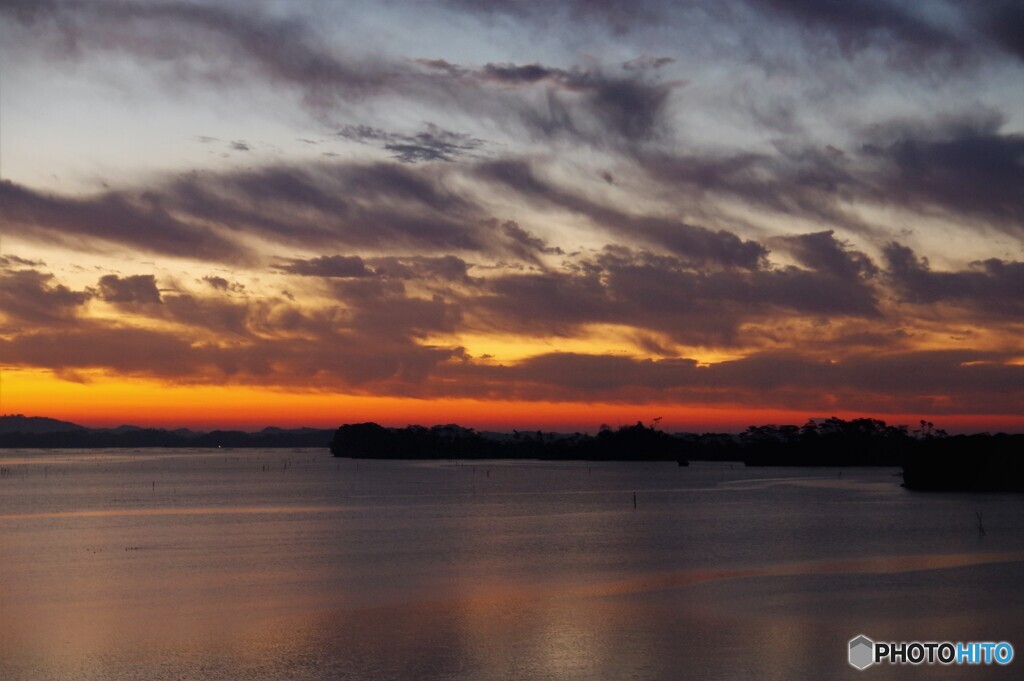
(862, 652)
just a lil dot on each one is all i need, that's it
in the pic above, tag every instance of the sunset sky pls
(512, 214)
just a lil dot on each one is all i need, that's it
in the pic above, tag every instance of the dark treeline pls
(979, 463)
(628, 443)
(932, 459)
(830, 442)
(156, 437)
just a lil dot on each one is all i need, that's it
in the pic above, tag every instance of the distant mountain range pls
(21, 431)
(17, 423)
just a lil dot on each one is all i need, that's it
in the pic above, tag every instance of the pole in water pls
(634, 501)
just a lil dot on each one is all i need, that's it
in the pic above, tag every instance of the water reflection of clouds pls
(859, 485)
(339, 570)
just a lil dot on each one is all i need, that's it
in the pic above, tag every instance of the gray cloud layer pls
(760, 210)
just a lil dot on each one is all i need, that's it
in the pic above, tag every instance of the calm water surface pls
(288, 564)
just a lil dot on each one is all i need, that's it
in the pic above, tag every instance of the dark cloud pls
(822, 252)
(372, 336)
(525, 245)
(631, 107)
(691, 241)
(136, 289)
(433, 144)
(374, 339)
(201, 216)
(140, 221)
(30, 298)
(219, 315)
(993, 286)
(391, 314)
(960, 167)
(445, 268)
(284, 50)
(28, 12)
(929, 382)
(397, 240)
(810, 182)
(126, 350)
(382, 208)
(965, 166)
(441, 65)
(647, 62)
(669, 296)
(1005, 24)
(525, 73)
(288, 51)
(548, 304)
(12, 261)
(618, 16)
(346, 266)
(222, 284)
(862, 23)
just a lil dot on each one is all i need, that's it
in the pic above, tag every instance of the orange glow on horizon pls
(109, 402)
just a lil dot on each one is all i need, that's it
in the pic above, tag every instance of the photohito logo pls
(864, 652)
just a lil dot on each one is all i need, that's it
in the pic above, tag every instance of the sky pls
(512, 214)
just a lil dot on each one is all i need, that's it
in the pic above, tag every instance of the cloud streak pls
(793, 204)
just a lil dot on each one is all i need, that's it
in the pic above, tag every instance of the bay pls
(289, 564)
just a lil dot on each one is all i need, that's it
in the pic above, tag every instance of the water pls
(275, 564)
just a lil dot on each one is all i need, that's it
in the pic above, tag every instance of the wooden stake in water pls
(634, 501)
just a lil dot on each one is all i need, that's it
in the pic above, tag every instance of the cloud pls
(140, 221)
(521, 74)
(201, 216)
(125, 350)
(433, 144)
(993, 286)
(375, 336)
(821, 251)
(13, 261)
(222, 284)
(942, 382)
(960, 167)
(1005, 25)
(860, 24)
(691, 241)
(346, 266)
(219, 315)
(630, 107)
(136, 289)
(525, 245)
(670, 296)
(965, 166)
(445, 268)
(218, 45)
(375, 207)
(801, 181)
(228, 42)
(30, 298)
(552, 195)
(618, 16)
